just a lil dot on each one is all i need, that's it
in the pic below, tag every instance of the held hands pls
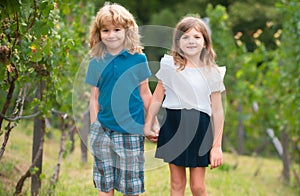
(216, 157)
(151, 131)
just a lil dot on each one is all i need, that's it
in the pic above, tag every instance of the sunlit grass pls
(240, 175)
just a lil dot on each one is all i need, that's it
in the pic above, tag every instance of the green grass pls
(235, 177)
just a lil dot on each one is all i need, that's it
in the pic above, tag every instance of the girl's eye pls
(104, 30)
(118, 29)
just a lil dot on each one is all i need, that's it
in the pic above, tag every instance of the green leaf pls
(36, 56)
(34, 170)
(42, 176)
(10, 6)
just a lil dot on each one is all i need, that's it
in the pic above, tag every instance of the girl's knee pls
(178, 184)
(198, 189)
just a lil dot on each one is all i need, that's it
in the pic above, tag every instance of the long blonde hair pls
(189, 22)
(113, 13)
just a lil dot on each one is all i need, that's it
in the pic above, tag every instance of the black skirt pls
(185, 138)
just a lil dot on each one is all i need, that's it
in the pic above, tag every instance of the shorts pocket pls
(95, 131)
(95, 125)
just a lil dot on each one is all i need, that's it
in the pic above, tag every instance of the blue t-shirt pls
(118, 78)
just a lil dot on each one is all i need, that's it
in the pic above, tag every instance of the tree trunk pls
(38, 130)
(11, 80)
(241, 132)
(84, 137)
(285, 158)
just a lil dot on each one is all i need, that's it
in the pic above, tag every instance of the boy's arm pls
(218, 124)
(145, 93)
(94, 106)
(146, 96)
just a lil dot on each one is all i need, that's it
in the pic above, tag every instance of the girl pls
(191, 83)
(118, 74)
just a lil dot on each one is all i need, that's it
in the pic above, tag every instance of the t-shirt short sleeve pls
(215, 79)
(143, 68)
(93, 73)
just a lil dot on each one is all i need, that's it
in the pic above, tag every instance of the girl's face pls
(192, 43)
(113, 38)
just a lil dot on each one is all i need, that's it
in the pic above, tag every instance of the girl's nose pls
(191, 40)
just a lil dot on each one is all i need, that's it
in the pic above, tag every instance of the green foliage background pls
(257, 40)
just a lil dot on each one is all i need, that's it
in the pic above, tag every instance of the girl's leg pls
(178, 180)
(197, 181)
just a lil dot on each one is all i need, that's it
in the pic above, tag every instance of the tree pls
(250, 15)
(38, 51)
(289, 90)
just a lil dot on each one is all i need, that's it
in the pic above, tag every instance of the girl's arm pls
(218, 124)
(146, 96)
(153, 110)
(94, 106)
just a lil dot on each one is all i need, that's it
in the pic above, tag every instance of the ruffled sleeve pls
(215, 78)
(166, 68)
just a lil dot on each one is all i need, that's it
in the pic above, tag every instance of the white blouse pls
(191, 87)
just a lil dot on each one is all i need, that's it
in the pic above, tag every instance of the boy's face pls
(192, 43)
(113, 38)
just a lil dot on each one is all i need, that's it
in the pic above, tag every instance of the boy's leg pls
(110, 193)
(197, 181)
(103, 168)
(129, 173)
(178, 180)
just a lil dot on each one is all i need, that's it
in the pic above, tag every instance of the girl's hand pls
(156, 126)
(150, 134)
(216, 157)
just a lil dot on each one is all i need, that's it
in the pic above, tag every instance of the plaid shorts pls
(118, 160)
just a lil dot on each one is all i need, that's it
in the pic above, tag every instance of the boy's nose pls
(111, 33)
